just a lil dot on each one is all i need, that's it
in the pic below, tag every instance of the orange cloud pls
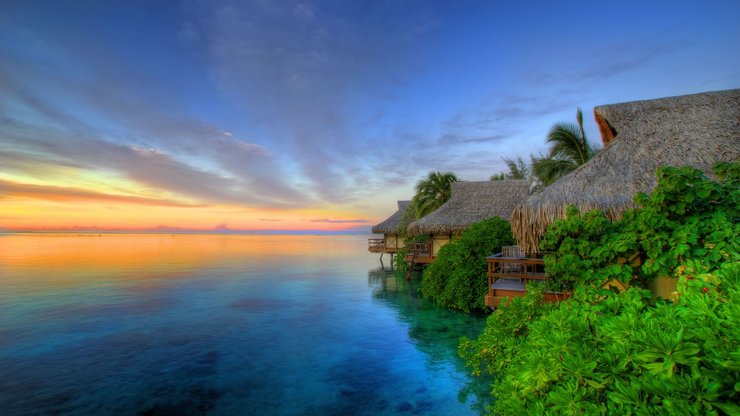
(65, 194)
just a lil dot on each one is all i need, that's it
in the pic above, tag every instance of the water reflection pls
(434, 330)
(159, 324)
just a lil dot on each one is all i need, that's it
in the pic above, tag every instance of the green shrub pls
(686, 217)
(629, 353)
(399, 263)
(506, 330)
(456, 279)
(624, 354)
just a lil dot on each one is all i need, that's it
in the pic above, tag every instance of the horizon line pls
(193, 232)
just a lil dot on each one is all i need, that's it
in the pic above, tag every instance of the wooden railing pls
(376, 244)
(525, 268)
(419, 253)
(420, 249)
(510, 271)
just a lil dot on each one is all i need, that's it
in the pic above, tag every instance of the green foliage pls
(518, 169)
(407, 218)
(687, 216)
(399, 264)
(569, 149)
(455, 279)
(432, 192)
(505, 333)
(629, 353)
(398, 261)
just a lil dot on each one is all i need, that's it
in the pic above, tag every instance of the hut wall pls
(438, 241)
(390, 241)
(393, 241)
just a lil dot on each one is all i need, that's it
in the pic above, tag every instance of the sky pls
(312, 116)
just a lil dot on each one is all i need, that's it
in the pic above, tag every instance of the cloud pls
(65, 194)
(331, 221)
(149, 167)
(607, 62)
(137, 131)
(453, 138)
(296, 66)
(293, 68)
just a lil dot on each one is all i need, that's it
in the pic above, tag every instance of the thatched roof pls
(640, 136)
(390, 225)
(472, 202)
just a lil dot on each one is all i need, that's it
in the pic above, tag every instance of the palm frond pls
(567, 142)
(432, 192)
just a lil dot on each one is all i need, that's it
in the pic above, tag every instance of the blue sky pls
(254, 114)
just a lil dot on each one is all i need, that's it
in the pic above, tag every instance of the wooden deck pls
(377, 245)
(419, 253)
(508, 275)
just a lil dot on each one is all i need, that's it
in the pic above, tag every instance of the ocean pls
(222, 325)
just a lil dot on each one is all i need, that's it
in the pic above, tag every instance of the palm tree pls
(569, 149)
(432, 192)
(518, 169)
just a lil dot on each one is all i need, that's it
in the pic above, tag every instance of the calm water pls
(220, 325)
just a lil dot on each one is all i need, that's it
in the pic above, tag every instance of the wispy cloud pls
(295, 67)
(161, 140)
(56, 193)
(601, 65)
(331, 221)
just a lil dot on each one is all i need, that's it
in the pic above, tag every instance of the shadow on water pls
(434, 330)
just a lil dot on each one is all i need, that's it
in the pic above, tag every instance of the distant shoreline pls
(135, 232)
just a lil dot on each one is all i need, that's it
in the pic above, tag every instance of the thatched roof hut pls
(639, 136)
(390, 225)
(472, 202)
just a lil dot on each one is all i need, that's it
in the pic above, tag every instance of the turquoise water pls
(221, 325)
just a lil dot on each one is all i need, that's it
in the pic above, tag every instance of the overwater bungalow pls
(696, 130)
(392, 241)
(469, 203)
(509, 272)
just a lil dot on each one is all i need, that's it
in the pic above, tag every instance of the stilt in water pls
(411, 267)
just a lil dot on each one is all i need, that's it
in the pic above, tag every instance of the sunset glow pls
(311, 116)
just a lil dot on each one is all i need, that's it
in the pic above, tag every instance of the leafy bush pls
(399, 263)
(456, 279)
(686, 217)
(625, 355)
(505, 333)
(629, 353)
(408, 217)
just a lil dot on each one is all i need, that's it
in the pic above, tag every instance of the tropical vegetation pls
(569, 149)
(627, 352)
(686, 217)
(432, 192)
(399, 262)
(518, 169)
(455, 278)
